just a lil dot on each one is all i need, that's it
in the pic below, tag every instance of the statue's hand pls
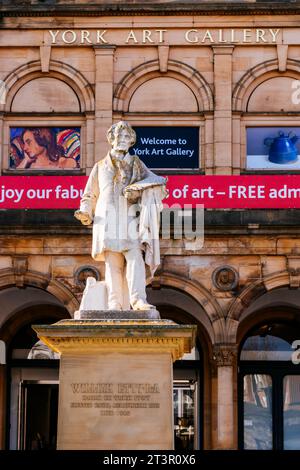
(132, 195)
(83, 217)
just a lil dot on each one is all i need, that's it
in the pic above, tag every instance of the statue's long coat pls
(115, 222)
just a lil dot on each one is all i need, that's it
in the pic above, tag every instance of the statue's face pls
(122, 141)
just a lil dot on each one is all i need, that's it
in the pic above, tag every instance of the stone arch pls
(250, 294)
(57, 69)
(43, 282)
(213, 322)
(278, 314)
(256, 76)
(27, 316)
(149, 70)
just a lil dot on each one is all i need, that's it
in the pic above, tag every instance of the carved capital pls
(224, 355)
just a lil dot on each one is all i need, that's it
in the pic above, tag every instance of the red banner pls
(213, 191)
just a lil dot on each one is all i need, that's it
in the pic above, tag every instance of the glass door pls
(258, 417)
(291, 412)
(269, 387)
(37, 415)
(185, 414)
(269, 406)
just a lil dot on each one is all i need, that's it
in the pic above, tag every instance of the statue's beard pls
(122, 150)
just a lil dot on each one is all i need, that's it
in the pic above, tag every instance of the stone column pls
(223, 109)
(104, 80)
(237, 163)
(207, 157)
(90, 152)
(225, 357)
(116, 381)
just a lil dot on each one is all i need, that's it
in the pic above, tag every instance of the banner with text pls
(213, 191)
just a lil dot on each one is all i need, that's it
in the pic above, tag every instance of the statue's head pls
(121, 136)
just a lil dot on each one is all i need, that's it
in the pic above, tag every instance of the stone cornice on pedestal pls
(126, 336)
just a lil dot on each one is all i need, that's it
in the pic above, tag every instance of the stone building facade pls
(221, 68)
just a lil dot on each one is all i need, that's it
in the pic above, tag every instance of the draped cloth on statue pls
(153, 192)
(104, 201)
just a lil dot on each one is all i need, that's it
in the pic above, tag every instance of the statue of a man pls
(123, 200)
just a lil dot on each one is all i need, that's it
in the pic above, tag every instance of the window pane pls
(266, 348)
(184, 416)
(258, 412)
(291, 412)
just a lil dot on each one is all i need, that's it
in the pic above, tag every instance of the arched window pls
(268, 108)
(172, 110)
(44, 124)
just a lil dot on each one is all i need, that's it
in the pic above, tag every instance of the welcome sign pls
(168, 147)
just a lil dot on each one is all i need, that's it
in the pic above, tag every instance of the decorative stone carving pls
(83, 273)
(225, 278)
(224, 355)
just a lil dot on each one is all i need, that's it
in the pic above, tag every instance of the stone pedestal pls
(116, 379)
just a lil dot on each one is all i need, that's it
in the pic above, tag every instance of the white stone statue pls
(123, 199)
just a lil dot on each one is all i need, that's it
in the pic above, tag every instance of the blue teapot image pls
(282, 149)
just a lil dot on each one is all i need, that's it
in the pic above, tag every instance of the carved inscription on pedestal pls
(115, 399)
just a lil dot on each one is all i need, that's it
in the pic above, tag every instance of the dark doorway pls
(38, 407)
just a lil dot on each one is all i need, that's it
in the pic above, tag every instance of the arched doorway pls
(29, 403)
(192, 374)
(269, 381)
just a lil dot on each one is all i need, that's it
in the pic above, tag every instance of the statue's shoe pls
(115, 306)
(141, 305)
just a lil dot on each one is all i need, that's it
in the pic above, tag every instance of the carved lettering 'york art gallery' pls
(194, 345)
(161, 36)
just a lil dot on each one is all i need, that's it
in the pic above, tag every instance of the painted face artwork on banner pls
(44, 148)
(273, 148)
